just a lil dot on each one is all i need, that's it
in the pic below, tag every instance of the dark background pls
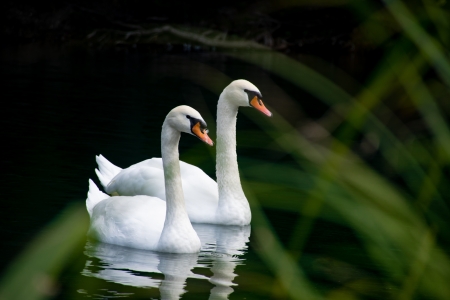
(68, 97)
(283, 25)
(73, 87)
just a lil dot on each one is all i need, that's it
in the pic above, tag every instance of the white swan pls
(143, 222)
(223, 202)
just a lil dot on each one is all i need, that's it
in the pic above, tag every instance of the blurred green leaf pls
(34, 273)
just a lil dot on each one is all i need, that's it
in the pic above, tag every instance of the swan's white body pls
(135, 221)
(147, 178)
(146, 222)
(223, 202)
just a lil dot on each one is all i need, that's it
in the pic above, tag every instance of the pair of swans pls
(146, 221)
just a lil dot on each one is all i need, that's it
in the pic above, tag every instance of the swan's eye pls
(188, 116)
(253, 94)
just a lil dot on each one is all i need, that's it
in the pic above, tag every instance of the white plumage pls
(147, 178)
(223, 202)
(146, 222)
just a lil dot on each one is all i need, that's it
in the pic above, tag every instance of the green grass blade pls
(34, 273)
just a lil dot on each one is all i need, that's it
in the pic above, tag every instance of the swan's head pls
(186, 119)
(244, 93)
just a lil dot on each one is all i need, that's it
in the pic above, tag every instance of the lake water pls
(210, 272)
(63, 106)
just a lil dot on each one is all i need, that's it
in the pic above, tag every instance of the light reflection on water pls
(222, 250)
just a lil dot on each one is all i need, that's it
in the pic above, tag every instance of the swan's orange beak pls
(202, 134)
(259, 105)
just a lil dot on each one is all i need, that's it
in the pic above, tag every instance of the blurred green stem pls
(418, 266)
(34, 273)
(424, 101)
(279, 260)
(431, 50)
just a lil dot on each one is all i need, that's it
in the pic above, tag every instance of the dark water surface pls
(61, 107)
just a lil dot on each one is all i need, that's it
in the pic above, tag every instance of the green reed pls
(400, 226)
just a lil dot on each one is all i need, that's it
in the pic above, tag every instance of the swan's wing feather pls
(144, 178)
(103, 180)
(135, 222)
(94, 196)
(200, 192)
(106, 170)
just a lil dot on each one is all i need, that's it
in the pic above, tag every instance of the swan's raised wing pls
(144, 178)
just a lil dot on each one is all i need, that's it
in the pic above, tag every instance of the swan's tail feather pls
(106, 170)
(102, 179)
(94, 197)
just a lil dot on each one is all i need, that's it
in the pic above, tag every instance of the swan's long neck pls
(233, 204)
(172, 175)
(177, 227)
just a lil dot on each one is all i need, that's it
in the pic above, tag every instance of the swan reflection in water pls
(222, 248)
